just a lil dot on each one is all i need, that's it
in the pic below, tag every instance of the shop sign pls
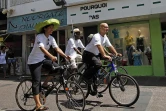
(91, 7)
(19, 2)
(93, 17)
(27, 22)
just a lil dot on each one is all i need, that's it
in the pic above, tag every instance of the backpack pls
(89, 38)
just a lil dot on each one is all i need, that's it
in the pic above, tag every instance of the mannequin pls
(140, 41)
(129, 47)
(148, 54)
(129, 39)
(115, 31)
(137, 57)
(164, 49)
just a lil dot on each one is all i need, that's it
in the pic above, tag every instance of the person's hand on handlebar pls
(68, 58)
(118, 54)
(53, 58)
(108, 57)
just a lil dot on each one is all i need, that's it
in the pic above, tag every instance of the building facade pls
(135, 28)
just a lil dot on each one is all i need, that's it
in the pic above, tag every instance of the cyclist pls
(92, 50)
(72, 48)
(36, 58)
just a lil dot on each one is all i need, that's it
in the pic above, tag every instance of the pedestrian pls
(11, 61)
(36, 59)
(3, 60)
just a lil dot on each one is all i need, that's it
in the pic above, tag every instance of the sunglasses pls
(48, 42)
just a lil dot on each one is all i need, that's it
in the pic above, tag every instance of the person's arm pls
(113, 50)
(59, 51)
(108, 53)
(77, 51)
(81, 46)
(101, 50)
(53, 58)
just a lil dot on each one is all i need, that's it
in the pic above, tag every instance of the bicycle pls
(66, 93)
(117, 86)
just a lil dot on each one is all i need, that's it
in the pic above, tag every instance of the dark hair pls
(2, 47)
(43, 31)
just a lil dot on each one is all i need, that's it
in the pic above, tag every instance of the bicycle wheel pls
(24, 96)
(70, 98)
(101, 82)
(124, 94)
(121, 70)
(78, 78)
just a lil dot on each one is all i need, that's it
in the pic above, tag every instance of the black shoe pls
(99, 95)
(93, 91)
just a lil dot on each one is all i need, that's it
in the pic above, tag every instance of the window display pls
(133, 41)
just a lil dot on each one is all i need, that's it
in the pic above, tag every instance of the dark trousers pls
(35, 70)
(93, 64)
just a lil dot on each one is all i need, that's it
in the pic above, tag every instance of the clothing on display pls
(130, 50)
(133, 37)
(140, 43)
(137, 58)
(148, 54)
(115, 31)
(164, 47)
(129, 39)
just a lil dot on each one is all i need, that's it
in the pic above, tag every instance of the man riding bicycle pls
(92, 50)
(72, 48)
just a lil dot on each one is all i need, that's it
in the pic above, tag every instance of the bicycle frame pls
(113, 67)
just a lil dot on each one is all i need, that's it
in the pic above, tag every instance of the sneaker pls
(93, 91)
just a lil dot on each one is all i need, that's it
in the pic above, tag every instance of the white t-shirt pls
(36, 54)
(72, 43)
(97, 40)
(2, 58)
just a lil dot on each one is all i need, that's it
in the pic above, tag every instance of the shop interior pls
(133, 42)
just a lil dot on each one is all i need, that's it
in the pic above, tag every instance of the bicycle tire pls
(103, 87)
(68, 98)
(24, 106)
(123, 89)
(122, 70)
(83, 83)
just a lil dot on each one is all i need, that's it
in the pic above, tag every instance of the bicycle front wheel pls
(124, 94)
(70, 97)
(24, 96)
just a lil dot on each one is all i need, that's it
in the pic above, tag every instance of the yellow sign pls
(1, 39)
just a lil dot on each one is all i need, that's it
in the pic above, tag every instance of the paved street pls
(152, 98)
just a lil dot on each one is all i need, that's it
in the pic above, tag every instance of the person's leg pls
(8, 69)
(73, 65)
(14, 66)
(47, 64)
(35, 70)
(4, 70)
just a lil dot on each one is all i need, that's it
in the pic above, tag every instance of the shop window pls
(133, 41)
(89, 30)
(15, 42)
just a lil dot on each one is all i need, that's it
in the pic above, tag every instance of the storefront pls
(136, 35)
(24, 25)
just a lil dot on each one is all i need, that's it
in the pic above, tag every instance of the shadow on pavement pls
(98, 103)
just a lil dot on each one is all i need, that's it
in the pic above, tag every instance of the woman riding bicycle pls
(36, 58)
